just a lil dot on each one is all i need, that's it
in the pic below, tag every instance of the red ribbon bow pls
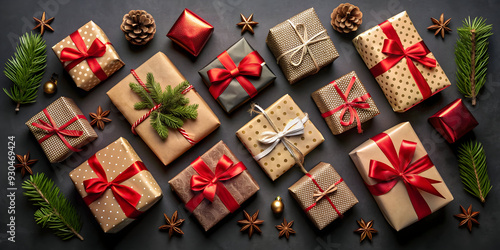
(395, 51)
(402, 170)
(126, 197)
(210, 184)
(52, 129)
(359, 102)
(326, 196)
(76, 56)
(251, 65)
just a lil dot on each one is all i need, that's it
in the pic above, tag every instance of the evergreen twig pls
(473, 169)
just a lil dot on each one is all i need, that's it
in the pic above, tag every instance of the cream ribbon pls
(304, 47)
(320, 195)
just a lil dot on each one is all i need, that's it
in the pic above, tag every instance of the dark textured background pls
(438, 230)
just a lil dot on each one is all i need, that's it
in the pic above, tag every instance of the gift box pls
(453, 121)
(116, 185)
(88, 56)
(323, 195)
(403, 66)
(61, 129)
(214, 185)
(236, 75)
(178, 141)
(191, 32)
(301, 45)
(280, 136)
(345, 104)
(400, 175)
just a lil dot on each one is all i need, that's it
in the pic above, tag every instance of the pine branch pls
(473, 169)
(55, 211)
(25, 69)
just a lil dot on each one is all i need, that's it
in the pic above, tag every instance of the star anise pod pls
(172, 225)
(467, 217)
(24, 163)
(247, 23)
(365, 229)
(42, 23)
(99, 118)
(285, 229)
(251, 223)
(440, 25)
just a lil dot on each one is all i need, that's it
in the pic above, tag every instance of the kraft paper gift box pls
(406, 79)
(134, 189)
(236, 75)
(88, 56)
(400, 175)
(74, 129)
(178, 141)
(191, 32)
(453, 121)
(234, 185)
(300, 135)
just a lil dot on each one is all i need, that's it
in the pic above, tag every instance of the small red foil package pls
(453, 121)
(190, 32)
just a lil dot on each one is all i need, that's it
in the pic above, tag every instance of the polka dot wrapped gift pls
(116, 185)
(88, 56)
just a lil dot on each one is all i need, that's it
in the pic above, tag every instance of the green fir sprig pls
(174, 105)
(471, 56)
(26, 69)
(55, 211)
(473, 169)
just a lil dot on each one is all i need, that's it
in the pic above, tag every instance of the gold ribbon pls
(320, 195)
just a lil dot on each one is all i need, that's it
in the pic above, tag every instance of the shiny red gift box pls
(453, 121)
(191, 32)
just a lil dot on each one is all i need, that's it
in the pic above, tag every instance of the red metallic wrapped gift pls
(190, 32)
(453, 121)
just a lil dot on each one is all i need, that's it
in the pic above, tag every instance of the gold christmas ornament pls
(50, 86)
(277, 206)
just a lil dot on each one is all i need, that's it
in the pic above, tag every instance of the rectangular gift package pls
(279, 159)
(233, 189)
(298, 60)
(233, 89)
(88, 56)
(345, 103)
(323, 195)
(74, 129)
(165, 73)
(119, 164)
(400, 175)
(406, 78)
(453, 121)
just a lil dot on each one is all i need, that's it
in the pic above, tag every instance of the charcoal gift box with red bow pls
(236, 75)
(214, 185)
(400, 175)
(116, 185)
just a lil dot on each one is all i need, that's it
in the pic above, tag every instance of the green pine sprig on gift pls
(471, 56)
(473, 169)
(26, 69)
(55, 211)
(174, 105)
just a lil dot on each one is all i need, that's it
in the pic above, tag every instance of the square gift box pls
(400, 175)
(236, 75)
(301, 45)
(453, 121)
(191, 32)
(323, 195)
(178, 141)
(275, 154)
(403, 66)
(214, 185)
(74, 130)
(88, 56)
(133, 189)
(345, 104)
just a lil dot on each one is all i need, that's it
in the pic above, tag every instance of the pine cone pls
(346, 18)
(139, 27)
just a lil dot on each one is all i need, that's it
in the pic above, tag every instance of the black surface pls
(439, 230)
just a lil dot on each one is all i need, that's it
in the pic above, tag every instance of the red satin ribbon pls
(395, 51)
(126, 197)
(251, 65)
(402, 170)
(326, 196)
(210, 184)
(76, 56)
(52, 129)
(351, 106)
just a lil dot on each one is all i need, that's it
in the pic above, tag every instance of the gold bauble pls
(277, 206)
(50, 86)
